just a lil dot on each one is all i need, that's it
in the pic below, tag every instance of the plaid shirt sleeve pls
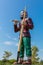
(17, 28)
(30, 24)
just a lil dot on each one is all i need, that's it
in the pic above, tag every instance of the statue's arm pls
(30, 24)
(16, 28)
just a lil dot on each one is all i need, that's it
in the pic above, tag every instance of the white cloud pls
(11, 43)
(41, 50)
(8, 36)
(7, 43)
(16, 44)
(12, 38)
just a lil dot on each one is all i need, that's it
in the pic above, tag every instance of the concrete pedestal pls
(22, 64)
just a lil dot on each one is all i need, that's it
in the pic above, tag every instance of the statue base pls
(21, 64)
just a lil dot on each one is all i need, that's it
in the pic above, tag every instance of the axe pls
(20, 41)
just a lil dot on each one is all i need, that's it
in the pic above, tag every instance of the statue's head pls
(22, 14)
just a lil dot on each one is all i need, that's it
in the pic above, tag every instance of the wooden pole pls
(21, 32)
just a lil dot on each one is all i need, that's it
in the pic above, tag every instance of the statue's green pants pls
(25, 45)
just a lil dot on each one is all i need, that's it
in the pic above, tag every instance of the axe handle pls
(19, 45)
(20, 41)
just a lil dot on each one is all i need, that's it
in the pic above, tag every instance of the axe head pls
(18, 54)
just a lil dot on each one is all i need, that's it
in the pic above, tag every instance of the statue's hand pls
(15, 21)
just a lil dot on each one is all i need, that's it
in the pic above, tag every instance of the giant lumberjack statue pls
(25, 25)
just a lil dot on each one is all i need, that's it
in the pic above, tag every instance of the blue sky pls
(9, 10)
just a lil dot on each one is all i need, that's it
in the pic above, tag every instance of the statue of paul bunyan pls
(25, 25)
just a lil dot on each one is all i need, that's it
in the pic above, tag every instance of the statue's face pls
(24, 13)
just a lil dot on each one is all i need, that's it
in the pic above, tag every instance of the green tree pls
(35, 58)
(6, 55)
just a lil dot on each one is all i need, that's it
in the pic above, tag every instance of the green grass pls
(6, 63)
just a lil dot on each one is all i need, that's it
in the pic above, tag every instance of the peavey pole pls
(20, 41)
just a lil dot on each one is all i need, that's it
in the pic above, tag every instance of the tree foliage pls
(35, 58)
(6, 55)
